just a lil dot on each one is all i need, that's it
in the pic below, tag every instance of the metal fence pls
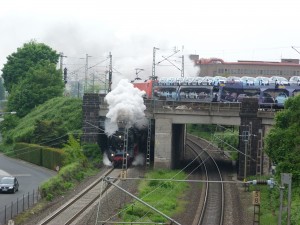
(19, 206)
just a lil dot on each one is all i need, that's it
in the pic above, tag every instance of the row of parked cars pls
(217, 80)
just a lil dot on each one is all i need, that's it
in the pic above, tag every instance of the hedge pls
(39, 155)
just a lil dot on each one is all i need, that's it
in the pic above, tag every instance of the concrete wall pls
(169, 144)
(163, 143)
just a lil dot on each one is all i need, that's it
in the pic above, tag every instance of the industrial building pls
(218, 67)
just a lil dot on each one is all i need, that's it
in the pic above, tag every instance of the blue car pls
(280, 99)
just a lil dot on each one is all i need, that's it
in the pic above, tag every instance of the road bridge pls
(170, 119)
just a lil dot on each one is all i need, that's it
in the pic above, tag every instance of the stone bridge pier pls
(169, 143)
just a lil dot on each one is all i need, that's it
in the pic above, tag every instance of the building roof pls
(284, 62)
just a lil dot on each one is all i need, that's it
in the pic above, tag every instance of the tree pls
(283, 140)
(73, 151)
(19, 63)
(49, 133)
(41, 83)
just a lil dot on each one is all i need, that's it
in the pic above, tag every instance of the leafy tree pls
(19, 63)
(283, 140)
(73, 151)
(59, 116)
(50, 133)
(41, 83)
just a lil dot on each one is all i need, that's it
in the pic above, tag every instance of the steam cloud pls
(106, 160)
(139, 160)
(126, 105)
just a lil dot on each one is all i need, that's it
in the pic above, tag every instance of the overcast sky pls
(129, 29)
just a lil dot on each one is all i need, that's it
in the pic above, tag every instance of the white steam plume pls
(106, 160)
(139, 160)
(126, 105)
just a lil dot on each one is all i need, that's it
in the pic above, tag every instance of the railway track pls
(73, 209)
(212, 212)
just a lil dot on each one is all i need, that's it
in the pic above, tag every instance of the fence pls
(19, 206)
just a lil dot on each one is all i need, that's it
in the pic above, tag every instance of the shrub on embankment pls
(48, 124)
(77, 167)
(66, 179)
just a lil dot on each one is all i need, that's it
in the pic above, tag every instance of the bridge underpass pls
(170, 119)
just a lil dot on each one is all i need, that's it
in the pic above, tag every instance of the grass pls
(165, 195)
(36, 209)
(223, 139)
(270, 202)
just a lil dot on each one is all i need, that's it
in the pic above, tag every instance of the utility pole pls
(86, 72)
(182, 66)
(153, 77)
(61, 54)
(286, 179)
(110, 73)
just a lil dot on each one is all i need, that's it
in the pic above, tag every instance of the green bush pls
(92, 152)
(65, 113)
(67, 177)
(39, 155)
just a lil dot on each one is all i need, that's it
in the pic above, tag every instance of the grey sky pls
(231, 30)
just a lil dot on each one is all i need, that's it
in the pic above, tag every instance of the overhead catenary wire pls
(149, 193)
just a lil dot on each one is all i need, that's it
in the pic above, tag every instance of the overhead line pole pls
(61, 61)
(153, 64)
(110, 73)
(182, 66)
(86, 71)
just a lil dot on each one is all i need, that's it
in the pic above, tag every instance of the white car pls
(162, 81)
(295, 80)
(248, 80)
(207, 80)
(197, 81)
(219, 80)
(262, 81)
(278, 80)
(233, 79)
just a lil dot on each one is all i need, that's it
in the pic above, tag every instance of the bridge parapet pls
(156, 106)
(199, 108)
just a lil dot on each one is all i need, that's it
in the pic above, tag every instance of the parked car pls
(267, 100)
(197, 80)
(280, 99)
(207, 80)
(233, 80)
(295, 80)
(248, 80)
(217, 80)
(9, 184)
(262, 81)
(277, 80)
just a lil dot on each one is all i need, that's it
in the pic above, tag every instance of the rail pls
(213, 209)
(76, 206)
